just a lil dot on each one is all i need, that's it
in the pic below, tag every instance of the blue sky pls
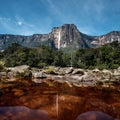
(27, 17)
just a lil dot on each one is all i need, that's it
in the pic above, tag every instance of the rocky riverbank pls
(63, 93)
(69, 75)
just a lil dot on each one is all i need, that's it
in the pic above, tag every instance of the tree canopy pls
(107, 56)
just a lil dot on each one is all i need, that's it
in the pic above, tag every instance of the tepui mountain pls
(64, 36)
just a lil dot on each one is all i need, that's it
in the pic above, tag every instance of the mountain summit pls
(64, 36)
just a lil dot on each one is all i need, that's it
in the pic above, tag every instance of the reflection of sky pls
(22, 113)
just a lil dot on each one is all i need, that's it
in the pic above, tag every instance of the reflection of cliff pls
(94, 115)
(22, 113)
(61, 101)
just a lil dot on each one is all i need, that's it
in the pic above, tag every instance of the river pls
(58, 102)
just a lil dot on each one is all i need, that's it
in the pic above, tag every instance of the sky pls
(27, 17)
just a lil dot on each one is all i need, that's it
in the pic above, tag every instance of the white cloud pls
(18, 26)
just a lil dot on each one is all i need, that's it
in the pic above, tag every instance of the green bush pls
(41, 64)
(2, 67)
(50, 70)
(24, 75)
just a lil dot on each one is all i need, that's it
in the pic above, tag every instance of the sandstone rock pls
(22, 71)
(2, 74)
(11, 76)
(118, 69)
(78, 71)
(116, 74)
(19, 69)
(37, 80)
(68, 83)
(96, 70)
(62, 71)
(38, 75)
(68, 70)
(107, 72)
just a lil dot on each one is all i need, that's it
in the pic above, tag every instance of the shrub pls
(24, 75)
(2, 68)
(50, 70)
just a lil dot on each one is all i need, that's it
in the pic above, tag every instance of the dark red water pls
(59, 102)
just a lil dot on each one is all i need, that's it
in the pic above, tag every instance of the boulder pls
(116, 74)
(78, 71)
(19, 69)
(63, 71)
(107, 72)
(96, 71)
(118, 69)
(68, 83)
(11, 76)
(69, 70)
(3, 75)
(39, 75)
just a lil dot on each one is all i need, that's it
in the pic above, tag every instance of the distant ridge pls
(64, 36)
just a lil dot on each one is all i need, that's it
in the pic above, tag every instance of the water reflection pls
(22, 113)
(94, 115)
(57, 103)
(25, 113)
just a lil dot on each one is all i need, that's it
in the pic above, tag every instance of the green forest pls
(107, 56)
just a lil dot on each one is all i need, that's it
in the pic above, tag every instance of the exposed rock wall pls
(64, 36)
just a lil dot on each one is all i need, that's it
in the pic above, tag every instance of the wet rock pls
(63, 71)
(78, 71)
(68, 83)
(94, 115)
(37, 80)
(96, 71)
(11, 76)
(89, 77)
(69, 70)
(2, 74)
(19, 69)
(116, 74)
(38, 75)
(18, 93)
(19, 72)
(50, 70)
(107, 74)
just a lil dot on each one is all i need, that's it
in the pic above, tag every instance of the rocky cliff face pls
(108, 38)
(68, 35)
(60, 37)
